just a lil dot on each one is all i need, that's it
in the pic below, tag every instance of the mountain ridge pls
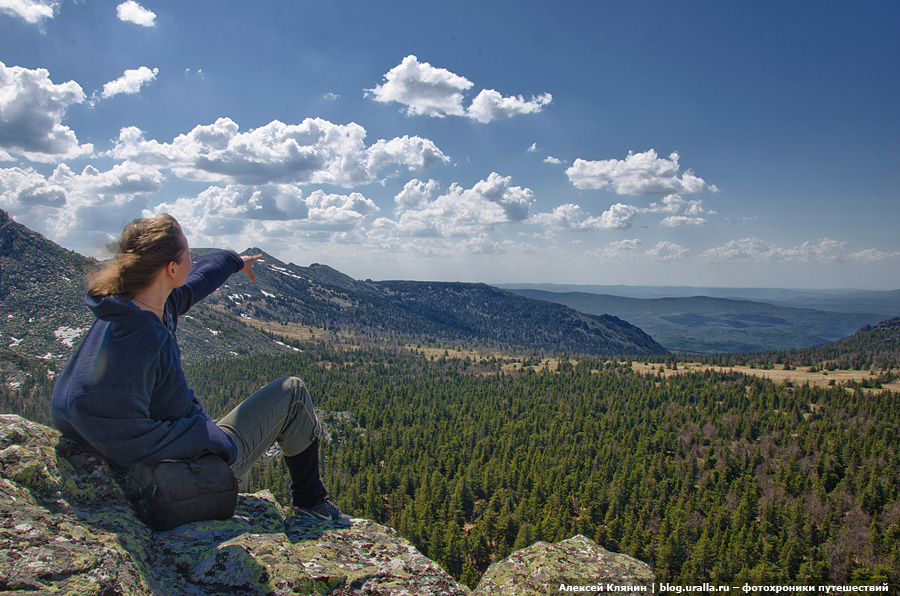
(414, 311)
(42, 284)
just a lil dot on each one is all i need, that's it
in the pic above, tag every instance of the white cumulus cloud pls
(276, 209)
(459, 212)
(313, 152)
(399, 153)
(756, 250)
(337, 211)
(618, 216)
(638, 174)
(621, 216)
(745, 249)
(872, 255)
(415, 194)
(32, 108)
(30, 10)
(480, 245)
(490, 105)
(674, 221)
(630, 250)
(22, 189)
(130, 82)
(427, 90)
(423, 89)
(680, 212)
(81, 207)
(126, 178)
(132, 12)
(573, 217)
(667, 252)
(621, 250)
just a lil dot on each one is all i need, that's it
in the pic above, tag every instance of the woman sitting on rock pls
(124, 392)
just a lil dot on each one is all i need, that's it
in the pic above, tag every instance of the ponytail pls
(145, 247)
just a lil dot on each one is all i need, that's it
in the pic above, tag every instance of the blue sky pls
(642, 143)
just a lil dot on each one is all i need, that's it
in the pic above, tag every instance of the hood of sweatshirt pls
(113, 309)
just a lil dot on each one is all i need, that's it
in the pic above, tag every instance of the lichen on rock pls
(542, 568)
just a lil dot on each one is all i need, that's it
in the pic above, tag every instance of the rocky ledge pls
(66, 527)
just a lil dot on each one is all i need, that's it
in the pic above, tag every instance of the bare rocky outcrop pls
(544, 568)
(66, 527)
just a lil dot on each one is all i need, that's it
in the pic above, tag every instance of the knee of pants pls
(298, 389)
(302, 398)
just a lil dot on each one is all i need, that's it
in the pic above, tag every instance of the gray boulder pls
(544, 568)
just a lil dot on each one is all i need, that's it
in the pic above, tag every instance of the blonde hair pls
(143, 249)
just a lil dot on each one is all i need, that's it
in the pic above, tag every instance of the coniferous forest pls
(707, 476)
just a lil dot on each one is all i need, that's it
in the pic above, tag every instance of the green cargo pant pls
(282, 412)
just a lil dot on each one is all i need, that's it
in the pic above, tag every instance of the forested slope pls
(875, 347)
(708, 477)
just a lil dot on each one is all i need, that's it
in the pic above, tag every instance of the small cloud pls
(637, 174)
(553, 160)
(30, 11)
(674, 221)
(667, 252)
(533, 148)
(331, 97)
(490, 105)
(630, 250)
(423, 89)
(480, 245)
(872, 255)
(132, 12)
(618, 217)
(621, 250)
(130, 82)
(671, 204)
(426, 90)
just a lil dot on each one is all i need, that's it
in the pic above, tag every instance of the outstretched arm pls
(208, 273)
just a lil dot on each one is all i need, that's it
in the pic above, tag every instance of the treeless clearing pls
(299, 332)
(449, 352)
(823, 378)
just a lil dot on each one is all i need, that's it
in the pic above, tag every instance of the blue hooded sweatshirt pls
(124, 392)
